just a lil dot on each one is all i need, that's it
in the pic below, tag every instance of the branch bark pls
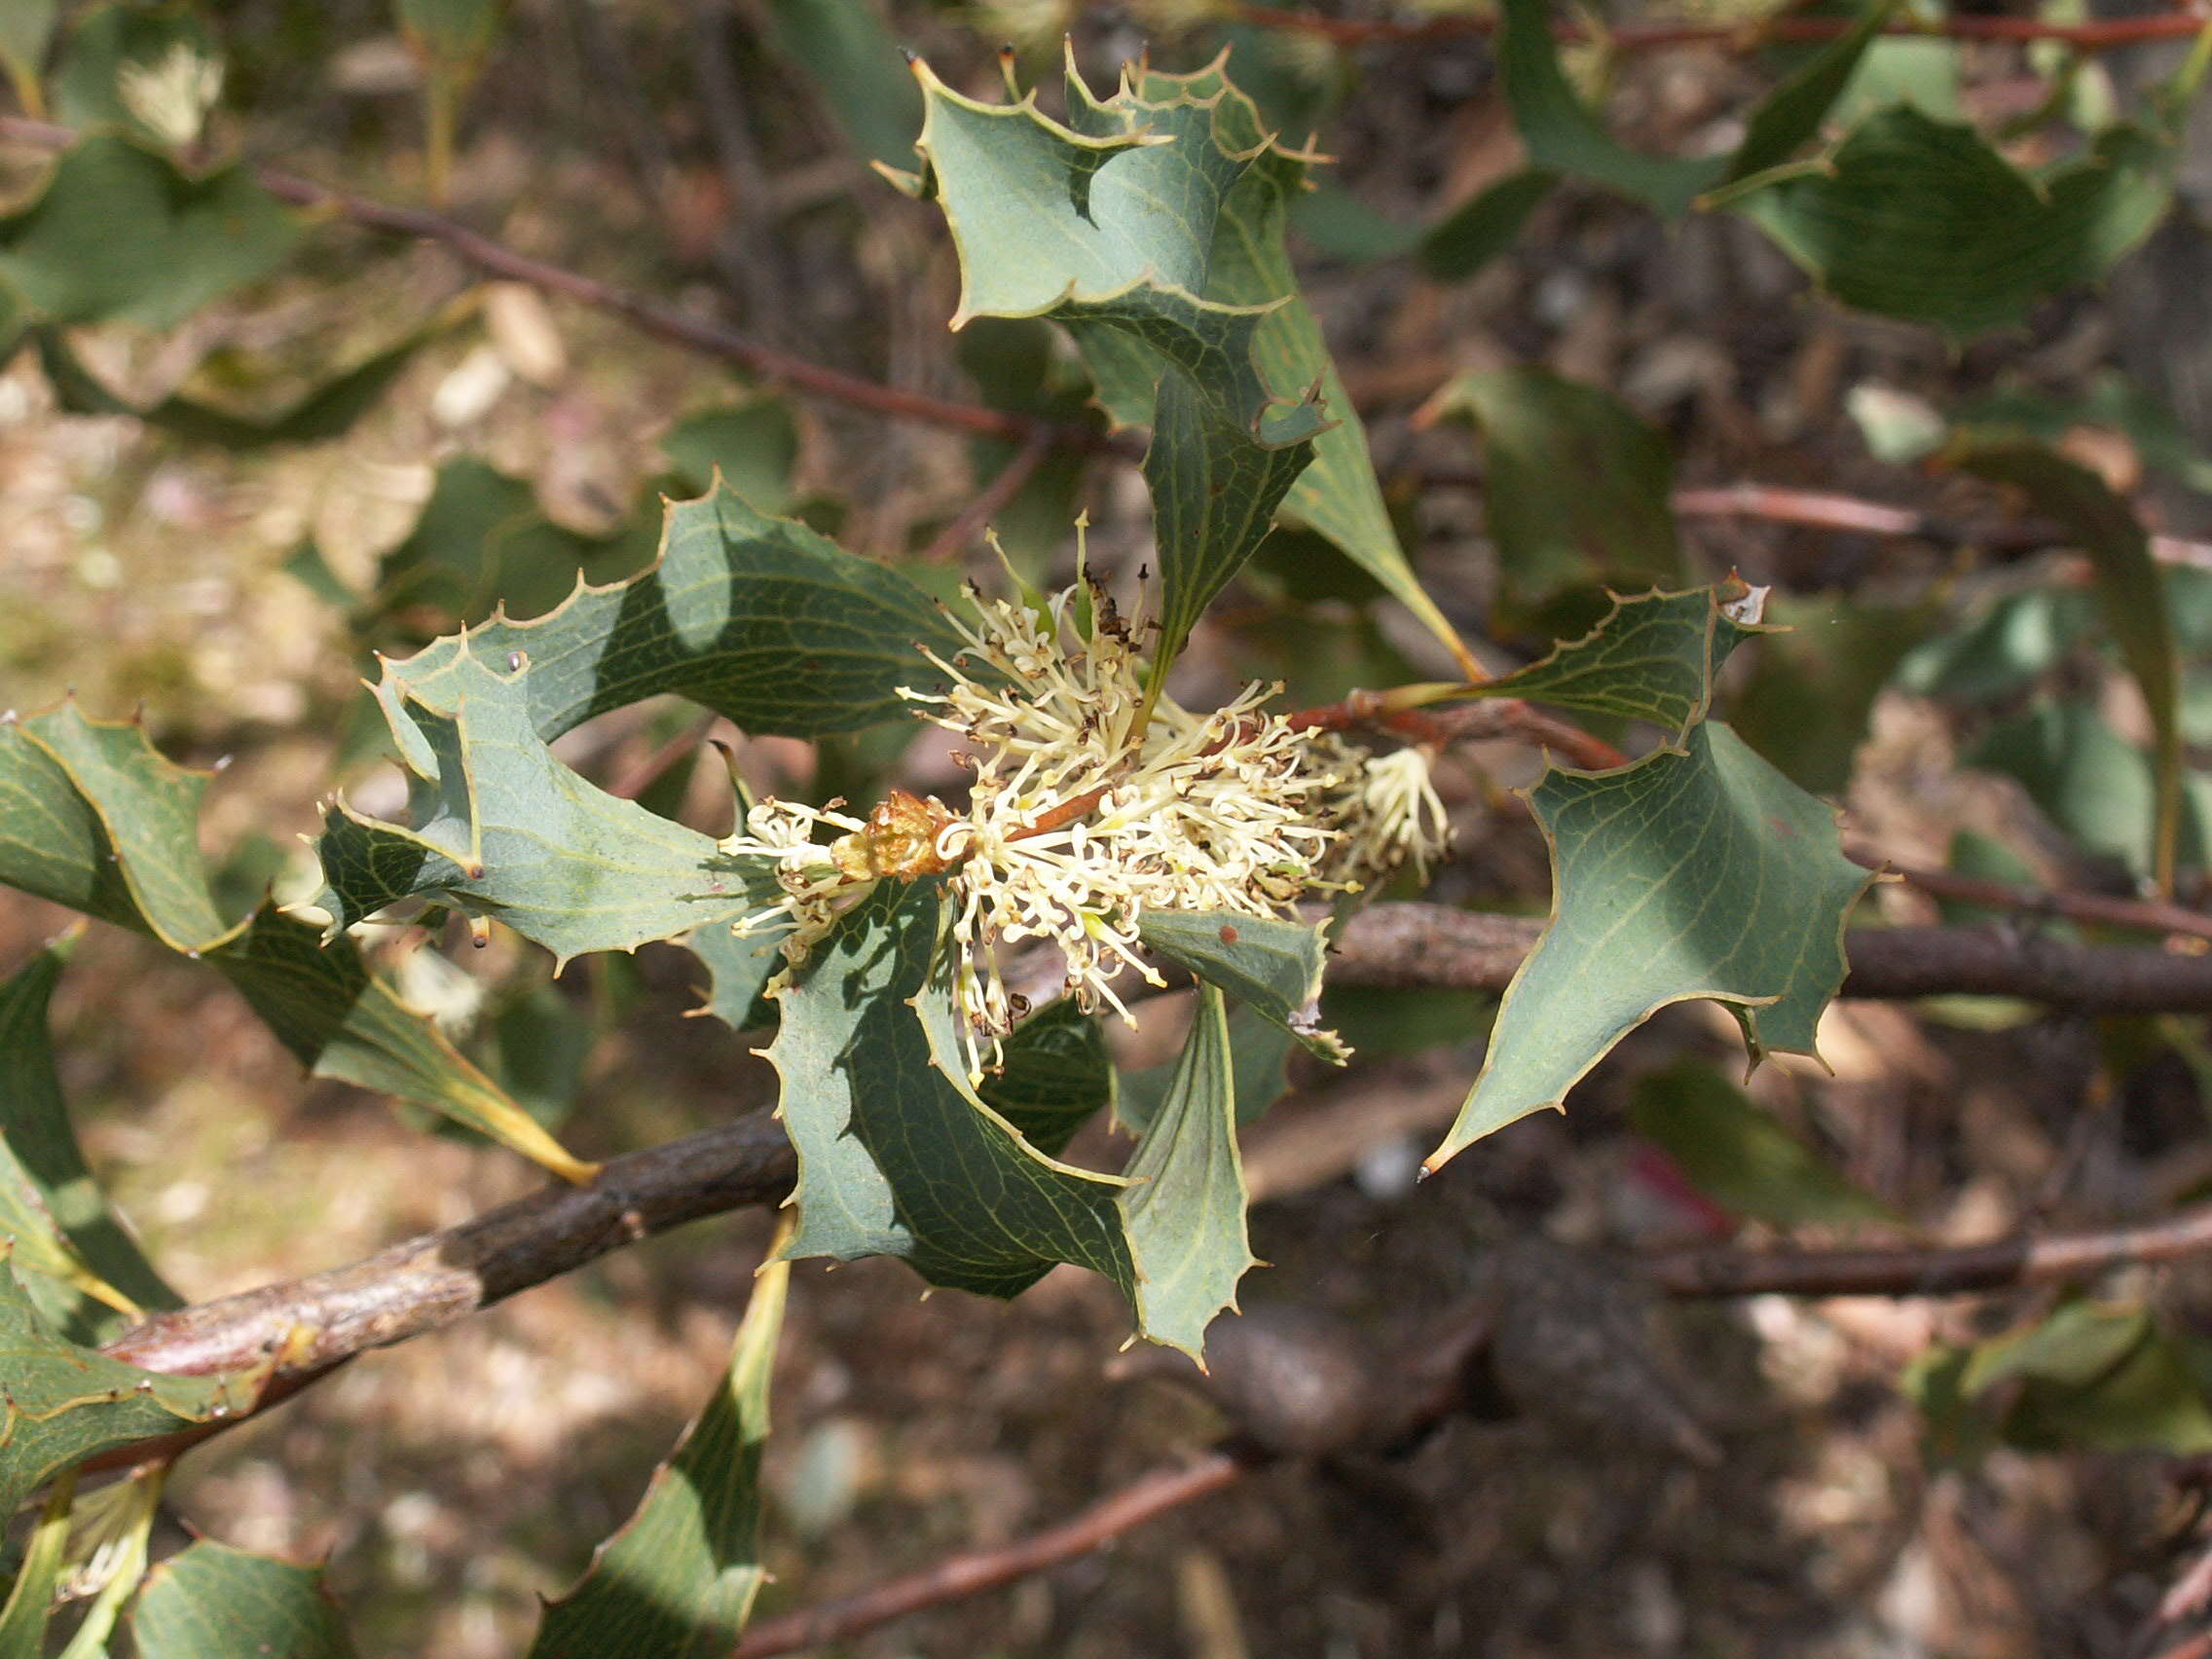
(2001, 1266)
(1413, 944)
(958, 1577)
(440, 1278)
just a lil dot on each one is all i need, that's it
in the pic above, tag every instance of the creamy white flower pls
(172, 94)
(1088, 808)
(1390, 815)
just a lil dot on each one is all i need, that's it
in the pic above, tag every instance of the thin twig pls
(990, 501)
(1925, 1272)
(650, 316)
(434, 1280)
(1413, 944)
(958, 1577)
(2085, 37)
(2151, 916)
(636, 779)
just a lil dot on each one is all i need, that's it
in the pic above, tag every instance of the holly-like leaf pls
(738, 970)
(1921, 219)
(1574, 483)
(1654, 658)
(502, 829)
(755, 618)
(1273, 968)
(677, 1581)
(118, 235)
(1053, 1075)
(63, 1403)
(80, 1267)
(92, 818)
(1737, 1155)
(2130, 589)
(1260, 1049)
(1185, 1209)
(1151, 226)
(897, 1156)
(213, 1602)
(1698, 871)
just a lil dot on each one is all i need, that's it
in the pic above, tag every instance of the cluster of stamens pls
(1091, 804)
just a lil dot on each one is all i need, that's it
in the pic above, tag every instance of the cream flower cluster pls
(1090, 807)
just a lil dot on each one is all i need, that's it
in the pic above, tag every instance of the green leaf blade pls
(63, 1403)
(213, 1602)
(1271, 967)
(1185, 1208)
(118, 235)
(1697, 872)
(93, 818)
(504, 828)
(755, 618)
(2131, 590)
(1924, 220)
(70, 1243)
(679, 1578)
(895, 1155)
(1565, 136)
(1654, 658)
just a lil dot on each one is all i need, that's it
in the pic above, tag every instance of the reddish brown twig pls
(636, 779)
(1411, 943)
(991, 502)
(1922, 1271)
(2084, 37)
(650, 316)
(961, 1575)
(1823, 509)
(2151, 916)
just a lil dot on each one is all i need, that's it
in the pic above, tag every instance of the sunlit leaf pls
(213, 1602)
(92, 818)
(83, 1271)
(677, 1581)
(756, 617)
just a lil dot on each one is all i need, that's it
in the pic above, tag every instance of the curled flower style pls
(1090, 808)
